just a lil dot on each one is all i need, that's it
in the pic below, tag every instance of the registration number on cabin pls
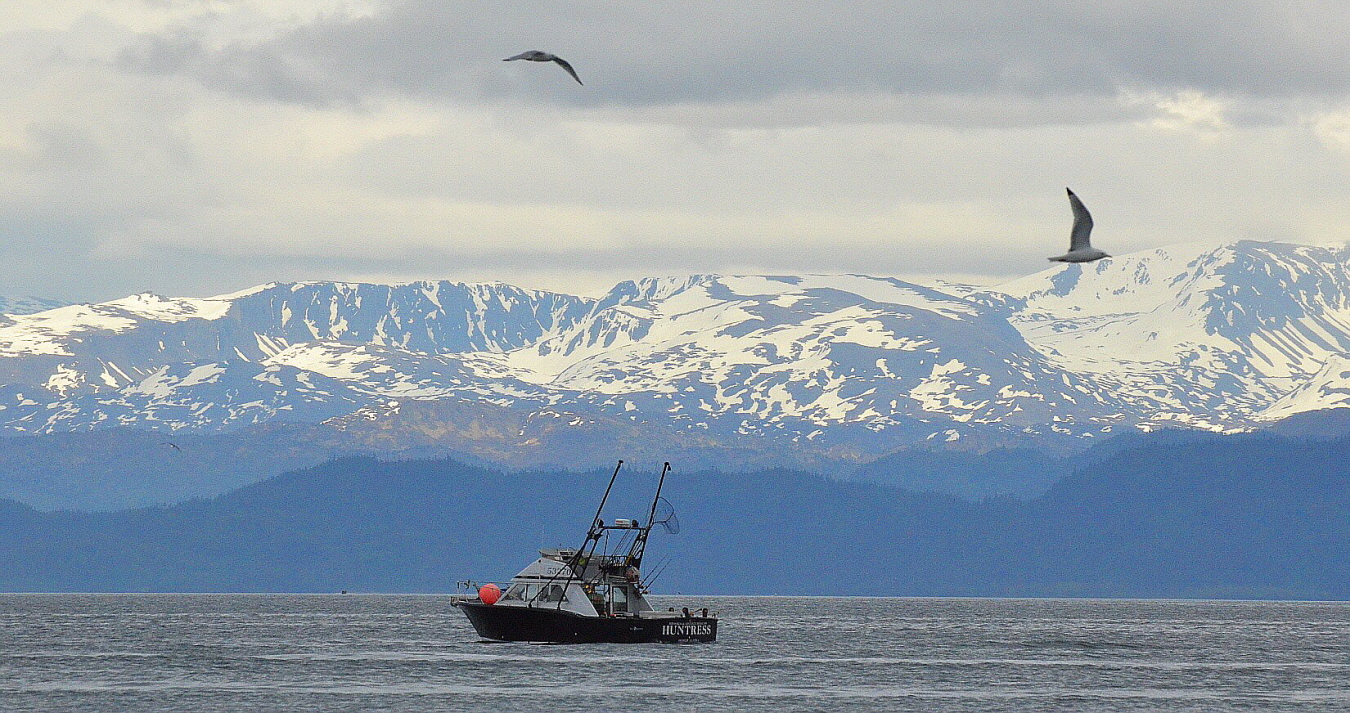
(687, 629)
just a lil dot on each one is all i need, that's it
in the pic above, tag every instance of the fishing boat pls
(591, 594)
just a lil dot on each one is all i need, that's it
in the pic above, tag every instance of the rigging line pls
(656, 572)
(659, 572)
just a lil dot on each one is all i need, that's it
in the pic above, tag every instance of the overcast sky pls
(194, 147)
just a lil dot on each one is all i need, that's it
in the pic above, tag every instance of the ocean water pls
(199, 653)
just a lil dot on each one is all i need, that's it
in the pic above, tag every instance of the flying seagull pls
(537, 56)
(1079, 248)
(172, 445)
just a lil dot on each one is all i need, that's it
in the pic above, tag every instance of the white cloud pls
(1332, 128)
(1185, 110)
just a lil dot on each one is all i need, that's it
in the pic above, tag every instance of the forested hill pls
(1243, 517)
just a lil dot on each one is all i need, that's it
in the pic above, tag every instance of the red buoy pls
(489, 593)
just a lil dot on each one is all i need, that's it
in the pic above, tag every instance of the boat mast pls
(640, 543)
(575, 569)
(651, 515)
(595, 523)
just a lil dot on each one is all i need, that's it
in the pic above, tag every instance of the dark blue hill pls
(1253, 516)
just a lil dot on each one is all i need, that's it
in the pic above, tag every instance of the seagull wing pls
(523, 55)
(563, 63)
(1082, 224)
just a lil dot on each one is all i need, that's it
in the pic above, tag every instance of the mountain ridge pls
(798, 368)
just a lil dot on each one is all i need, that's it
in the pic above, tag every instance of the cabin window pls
(553, 593)
(517, 591)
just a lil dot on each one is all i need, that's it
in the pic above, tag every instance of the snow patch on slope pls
(1328, 388)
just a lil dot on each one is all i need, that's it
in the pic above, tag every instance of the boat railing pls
(472, 587)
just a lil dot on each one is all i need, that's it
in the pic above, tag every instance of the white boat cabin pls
(604, 587)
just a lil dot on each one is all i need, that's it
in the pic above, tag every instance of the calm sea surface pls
(416, 653)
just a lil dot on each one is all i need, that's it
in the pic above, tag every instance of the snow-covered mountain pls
(843, 366)
(1192, 334)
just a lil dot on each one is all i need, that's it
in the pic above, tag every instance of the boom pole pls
(575, 566)
(640, 542)
(651, 516)
(595, 523)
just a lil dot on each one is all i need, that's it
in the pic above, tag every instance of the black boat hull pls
(512, 623)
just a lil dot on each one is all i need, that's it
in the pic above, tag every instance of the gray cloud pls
(710, 52)
(258, 72)
(161, 54)
(64, 145)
